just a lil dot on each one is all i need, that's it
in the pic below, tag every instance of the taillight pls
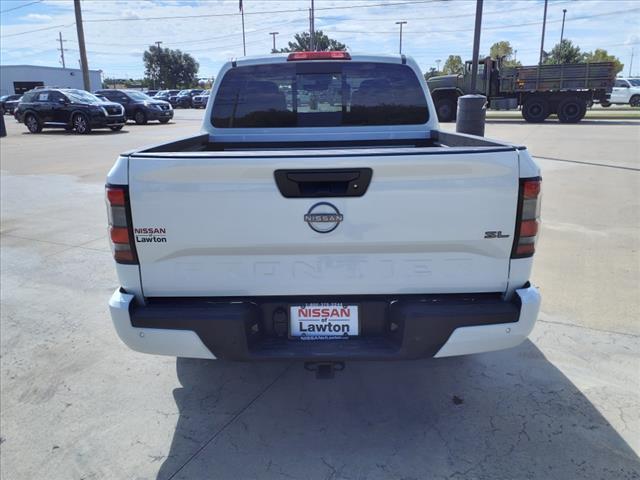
(120, 229)
(528, 219)
(318, 56)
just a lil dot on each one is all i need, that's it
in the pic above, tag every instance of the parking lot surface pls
(77, 404)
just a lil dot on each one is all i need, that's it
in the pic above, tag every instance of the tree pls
(453, 65)
(170, 68)
(501, 49)
(322, 42)
(504, 49)
(601, 55)
(432, 73)
(564, 52)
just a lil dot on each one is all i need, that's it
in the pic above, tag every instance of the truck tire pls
(635, 101)
(446, 108)
(605, 104)
(535, 109)
(572, 110)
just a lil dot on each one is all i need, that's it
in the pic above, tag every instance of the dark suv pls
(9, 103)
(166, 95)
(184, 99)
(139, 107)
(69, 109)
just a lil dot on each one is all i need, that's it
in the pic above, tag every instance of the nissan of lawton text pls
(322, 215)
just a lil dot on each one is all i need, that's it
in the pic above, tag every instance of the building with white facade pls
(21, 78)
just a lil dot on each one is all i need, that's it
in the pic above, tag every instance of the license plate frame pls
(318, 326)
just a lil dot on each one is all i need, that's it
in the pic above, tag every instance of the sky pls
(118, 31)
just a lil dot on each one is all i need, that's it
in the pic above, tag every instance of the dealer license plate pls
(324, 321)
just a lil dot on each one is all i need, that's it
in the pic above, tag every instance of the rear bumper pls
(404, 327)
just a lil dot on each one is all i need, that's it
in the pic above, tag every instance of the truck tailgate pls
(216, 224)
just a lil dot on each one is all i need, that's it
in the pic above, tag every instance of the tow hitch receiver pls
(324, 370)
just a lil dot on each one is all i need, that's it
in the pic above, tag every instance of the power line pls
(37, 30)
(191, 16)
(261, 12)
(20, 6)
(447, 17)
(497, 27)
(200, 41)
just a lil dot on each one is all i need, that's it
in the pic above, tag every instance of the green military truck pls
(540, 91)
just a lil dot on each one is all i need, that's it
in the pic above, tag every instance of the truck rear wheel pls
(635, 101)
(446, 108)
(572, 110)
(535, 110)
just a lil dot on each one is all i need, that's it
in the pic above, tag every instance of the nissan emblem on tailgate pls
(323, 217)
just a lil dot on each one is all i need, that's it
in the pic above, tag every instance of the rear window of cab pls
(319, 94)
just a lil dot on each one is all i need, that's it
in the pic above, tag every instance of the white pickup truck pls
(322, 215)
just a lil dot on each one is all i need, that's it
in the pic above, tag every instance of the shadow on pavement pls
(503, 415)
(600, 121)
(62, 131)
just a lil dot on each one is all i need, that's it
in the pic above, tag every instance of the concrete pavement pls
(75, 403)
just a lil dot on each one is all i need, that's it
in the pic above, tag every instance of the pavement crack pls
(553, 322)
(591, 164)
(232, 420)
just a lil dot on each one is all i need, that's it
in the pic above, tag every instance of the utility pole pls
(83, 50)
(631, 62)
(476, 46)
(273, 34)
(544, 26)
(438, 65)
(158, 45)
(472, 108)
(312, 28)
(62, 49)
(401, 23)
(564, 14)
(515, 55)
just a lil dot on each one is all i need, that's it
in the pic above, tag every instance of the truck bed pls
(436, 140)
(574, 76)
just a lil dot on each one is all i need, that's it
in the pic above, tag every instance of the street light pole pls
(564, 13)
(273, 34)
(401, 23)
(438, 65)
(244, 43)
(158, 43)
